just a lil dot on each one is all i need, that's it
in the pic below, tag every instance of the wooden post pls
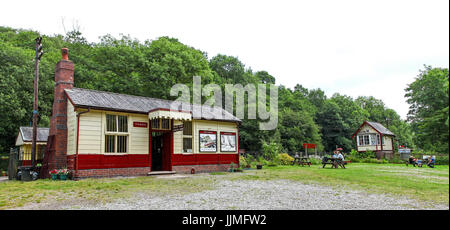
(35, 100)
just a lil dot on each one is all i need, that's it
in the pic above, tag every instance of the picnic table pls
(302, 161)
(334, 162)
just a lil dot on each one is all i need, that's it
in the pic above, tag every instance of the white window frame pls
(363, 138)
(117, 133)
(188, 136)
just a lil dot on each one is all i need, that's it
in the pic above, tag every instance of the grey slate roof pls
(27, 133)
(135, 104)
(380, 128)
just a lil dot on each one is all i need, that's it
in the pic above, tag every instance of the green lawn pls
(17, 193)
(425, 184)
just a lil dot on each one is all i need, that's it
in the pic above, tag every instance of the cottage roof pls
(377, 126)
(95, 99)
(27, 134)
(380, 128)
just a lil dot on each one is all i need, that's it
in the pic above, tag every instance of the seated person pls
(412, 161)
(340, 156)
(431, 162)
(334, 155)
(340, 159)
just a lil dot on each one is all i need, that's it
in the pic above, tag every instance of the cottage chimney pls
(58, 124)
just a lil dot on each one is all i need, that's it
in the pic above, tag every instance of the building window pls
(111, 123)
(122, 144)
(373, 139)
(116, 137)
(155, 123)
(161, 124)
(110, 144)
(363, 140)
(187, 137)
(122, 123)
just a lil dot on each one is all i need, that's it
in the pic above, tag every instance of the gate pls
(13, 163)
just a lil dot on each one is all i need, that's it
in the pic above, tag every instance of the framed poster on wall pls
(208, 141)
(227, 142)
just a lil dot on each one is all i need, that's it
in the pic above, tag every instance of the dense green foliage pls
(428, 111)
(150, 68)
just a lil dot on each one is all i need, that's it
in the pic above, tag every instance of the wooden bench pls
(302, 161)
(335, 163)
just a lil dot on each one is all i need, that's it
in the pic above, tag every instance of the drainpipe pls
(78, 137)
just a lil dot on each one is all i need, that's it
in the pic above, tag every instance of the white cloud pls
(353, 47)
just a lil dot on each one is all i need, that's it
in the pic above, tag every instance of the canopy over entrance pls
(169, 114)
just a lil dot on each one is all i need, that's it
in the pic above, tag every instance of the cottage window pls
(116, 137)
(363, 140)
(373, 139)
(187, 137)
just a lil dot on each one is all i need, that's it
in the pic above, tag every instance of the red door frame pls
(167, 147)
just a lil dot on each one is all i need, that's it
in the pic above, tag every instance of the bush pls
(315, 161)
(270, 151)
(353, 153)
(353, 159)
(285, 159)
(243, 162)
(441, 160)
(396, 160)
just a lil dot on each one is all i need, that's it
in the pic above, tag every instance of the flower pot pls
(54, 176)
(259, 167)
(63, 177)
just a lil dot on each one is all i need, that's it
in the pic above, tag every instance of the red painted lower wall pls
(100, 161)
(204, 159)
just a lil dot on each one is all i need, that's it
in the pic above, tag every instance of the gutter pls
(78, 137)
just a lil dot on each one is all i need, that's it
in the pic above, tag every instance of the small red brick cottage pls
(101, 134)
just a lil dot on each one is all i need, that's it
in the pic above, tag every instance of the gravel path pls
(273, 194)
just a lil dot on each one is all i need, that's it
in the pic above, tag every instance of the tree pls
(374, 107)
(428, 110)
(351, 115)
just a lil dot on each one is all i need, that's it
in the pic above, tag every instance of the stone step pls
(154, 173)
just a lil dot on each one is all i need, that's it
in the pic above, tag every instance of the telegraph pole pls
(39, 54)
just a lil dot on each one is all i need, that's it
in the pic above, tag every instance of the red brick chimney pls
(58, 122)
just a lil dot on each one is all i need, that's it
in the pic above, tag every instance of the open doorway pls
(161, 151)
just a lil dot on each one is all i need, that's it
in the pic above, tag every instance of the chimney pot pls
(65, 53)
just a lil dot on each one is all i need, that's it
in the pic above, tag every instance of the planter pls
(259, 167)
(63, 177)
(54, 176)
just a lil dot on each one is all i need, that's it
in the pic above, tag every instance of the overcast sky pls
(370, 48)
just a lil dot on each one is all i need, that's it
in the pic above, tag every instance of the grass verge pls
(15, 194)
(424, 184)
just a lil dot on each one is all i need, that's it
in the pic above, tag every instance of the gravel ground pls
(273, 194)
